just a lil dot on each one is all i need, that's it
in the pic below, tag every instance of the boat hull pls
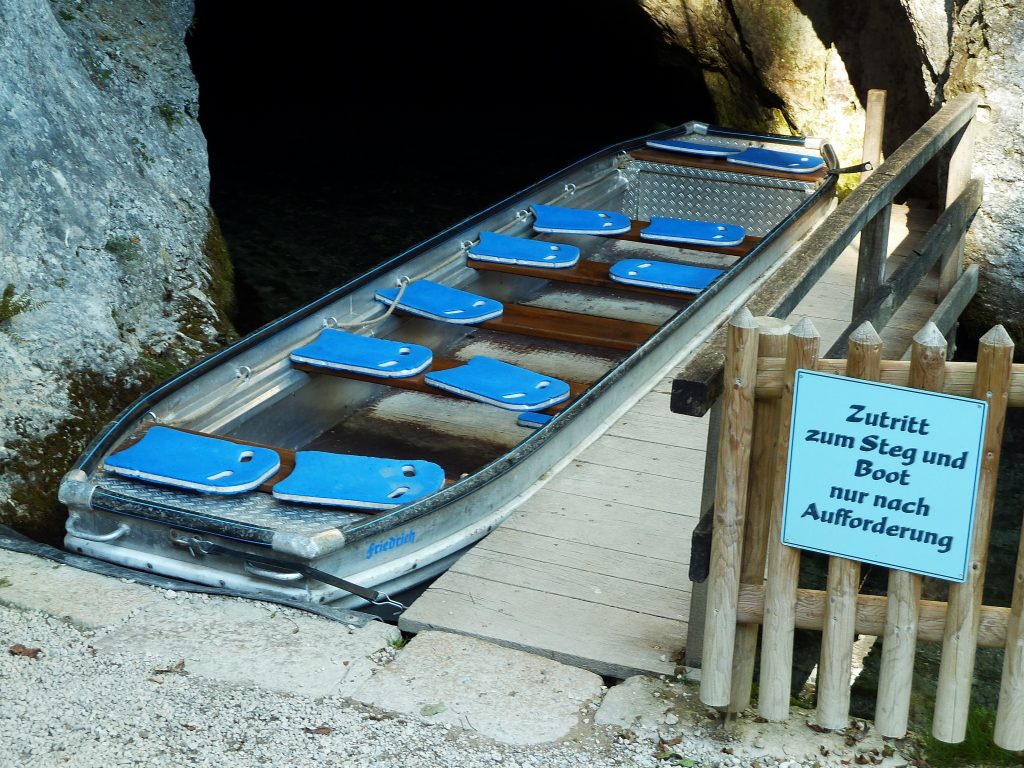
(250, 392)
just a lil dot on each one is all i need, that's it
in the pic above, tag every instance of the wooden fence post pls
(730, 508)
(957, 178)
(1009, 732)
(772, 341)
(874, 238)
(783, 561)
(864, 358)
(899, 644)
(874, 130)
(963, 614)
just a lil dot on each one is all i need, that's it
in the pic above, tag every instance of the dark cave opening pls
(341, 134)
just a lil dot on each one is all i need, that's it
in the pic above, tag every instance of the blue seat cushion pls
(503, 249)
(343, 351)
(531, 420)
(578, 221)
(774, 160)
(693, 232)
(501, 384)
(198, 462)
(692, 147)
(361, 482)
(663, 275)
(441, 302)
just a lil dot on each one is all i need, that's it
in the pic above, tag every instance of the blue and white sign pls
(883, 474)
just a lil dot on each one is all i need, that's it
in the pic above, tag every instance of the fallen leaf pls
(320, 730)
(174, 669)
(429, 710)
(670, 742)
(23, 650)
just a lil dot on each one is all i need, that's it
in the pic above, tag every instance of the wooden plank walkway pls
(592, 569)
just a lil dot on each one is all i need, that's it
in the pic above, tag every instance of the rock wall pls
(807, 65)
(111, 271)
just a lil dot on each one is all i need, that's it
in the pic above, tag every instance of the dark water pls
(341, 134)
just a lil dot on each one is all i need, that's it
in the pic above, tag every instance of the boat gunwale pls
(370, 525)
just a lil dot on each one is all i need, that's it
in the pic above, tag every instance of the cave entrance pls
(341, 134)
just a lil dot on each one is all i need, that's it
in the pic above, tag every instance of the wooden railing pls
(699, 384)
(753, 575)
(697, 388)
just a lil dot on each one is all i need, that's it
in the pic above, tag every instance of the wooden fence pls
(753, 576)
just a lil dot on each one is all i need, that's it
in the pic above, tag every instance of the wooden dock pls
(592, 570)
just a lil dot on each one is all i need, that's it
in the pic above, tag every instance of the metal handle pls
(117, 533)
(272, 575)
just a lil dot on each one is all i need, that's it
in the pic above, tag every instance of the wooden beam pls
(959, 377)
(871, 256)
(636, 226)
(783, 561)
(571, 326)
(896, 675)
(958, 176)
(874, 239)
(772, 340)
(730, 510)
(959, 642)
(948, 312)
(940, 239)
(843, 584)
(874, 130)
(871, 609)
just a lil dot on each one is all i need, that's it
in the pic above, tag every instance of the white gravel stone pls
(508, 695)
(130, 704)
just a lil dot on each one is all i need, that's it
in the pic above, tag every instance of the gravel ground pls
(72, 706)
(64, 703)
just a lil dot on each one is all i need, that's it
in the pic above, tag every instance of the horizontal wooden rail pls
(959, 377)
(810, 614)
(699, 383)
(942, 238)
(571, 326)
(735, 250)
(948, 312)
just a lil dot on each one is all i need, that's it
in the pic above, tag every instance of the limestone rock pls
(104, 283)
(772, 64)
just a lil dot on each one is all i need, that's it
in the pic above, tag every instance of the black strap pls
(314, 573)
(859, 168)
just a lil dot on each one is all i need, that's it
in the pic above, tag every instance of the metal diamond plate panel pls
(757, 203)
(252, 509)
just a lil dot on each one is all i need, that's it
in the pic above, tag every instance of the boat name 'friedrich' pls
(395, 541)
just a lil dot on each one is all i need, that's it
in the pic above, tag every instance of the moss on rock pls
(37, 463)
